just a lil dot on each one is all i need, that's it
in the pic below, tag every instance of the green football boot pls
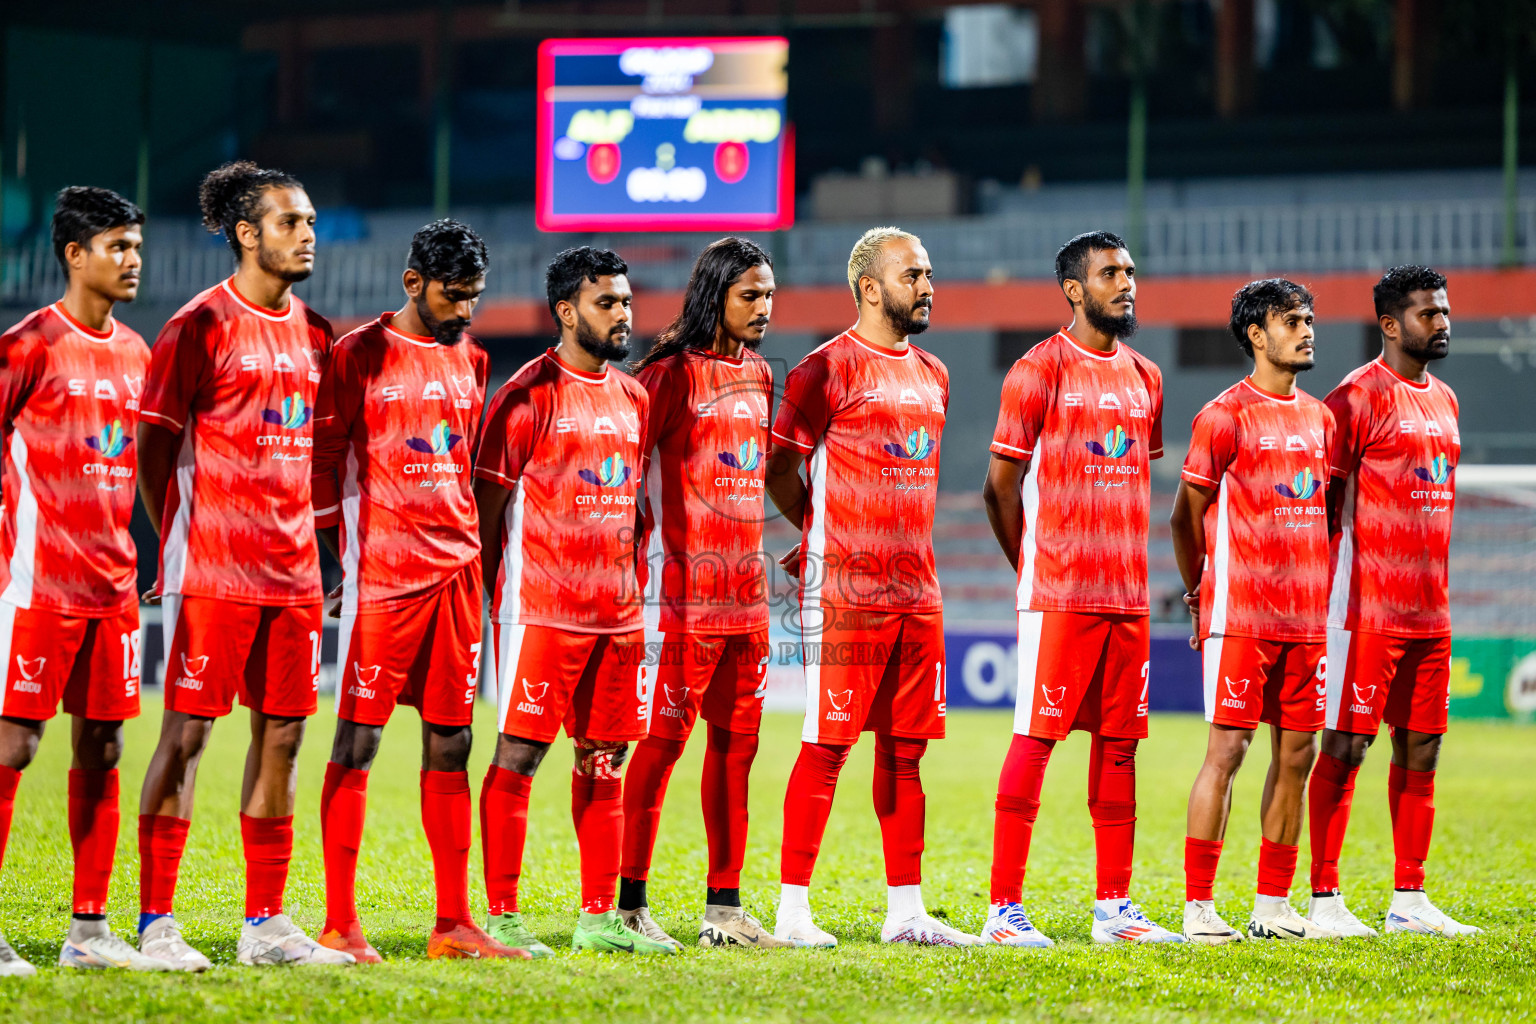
(509, 930)
(605, 933)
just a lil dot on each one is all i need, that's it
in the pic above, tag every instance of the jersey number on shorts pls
(130, 643)
(472, 681)
(938, 688)
(314, 660)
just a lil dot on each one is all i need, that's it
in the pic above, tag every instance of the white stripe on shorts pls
(1031, 625)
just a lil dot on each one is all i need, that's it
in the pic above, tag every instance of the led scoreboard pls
(664, 134)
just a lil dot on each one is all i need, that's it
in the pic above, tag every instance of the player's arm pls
(337, 406)
(1353, 425)
(512, 429)
(491, 503)
(785, 485)
(157, 447)
(1005, 506)
(1188, 522)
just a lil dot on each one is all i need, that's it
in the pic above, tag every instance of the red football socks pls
(1112, 805)
(162, 840)
(1411, 797)
(1018, 804)
(1277, 868)
(597, 809)
(1201, 857)
(343, 806)
(900, 805)
(445, 812)
(93, 823)
(268, 846)
(807, 804)
(727, 767)
(503, 832)
(645, 787)
(1329, 796)
(10, 778)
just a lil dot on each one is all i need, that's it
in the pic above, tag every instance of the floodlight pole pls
(1136, 166)
(442, 109)
(1511, 255)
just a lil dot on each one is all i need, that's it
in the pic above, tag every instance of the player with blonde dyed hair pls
(870, 254)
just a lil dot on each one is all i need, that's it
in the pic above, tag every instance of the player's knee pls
(1296, 760)
(356, 745)
(599, 759)
(1226, 757)
(18, 742)
(514, 754)
(99, 745)
(447, 748)
(184, 741)
(280, 739)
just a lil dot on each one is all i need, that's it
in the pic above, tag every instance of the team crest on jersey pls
(441, 442)
(1439, 470)
(31, 668)
(293, 414)
(612, 473)
(919, 445)
(1114, 445)
(1301, 487)
(1236, 687)
(111, 441)
(745, 458)
(839, 701)
(675, 697)
(1054, 696)
(1363, 697)
(463, 385)
(133, 384)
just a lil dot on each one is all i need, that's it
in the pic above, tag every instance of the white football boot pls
(1128, 924)
(1008, 925)
(733, 926)
(11, 963)
(277, 940)
(1280, 921)
(162, 940)
(1330, 912)
(93, 946)
(795, 927)
(925, 930)
(1412, 912)
(1203, 925)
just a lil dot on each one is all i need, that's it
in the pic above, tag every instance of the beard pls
(1428, 348)
(904, 321)
(752, 340)
(611, 348)
(1102, 320)
(271, 261)
(444, 332)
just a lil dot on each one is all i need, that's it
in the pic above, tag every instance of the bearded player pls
(70, 380)
(556, 483)
(1067, 495)
(865, 413)
(399, 408)
(705, 441)
(1251, 538)
(1393, 493)
(224, 471)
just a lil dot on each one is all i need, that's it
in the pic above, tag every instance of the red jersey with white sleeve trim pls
(1088, 423)
(69, 399)
(871, 421)
(396, 423)
(706, 445)
(1397, 448)
(567, 445)
(1266, 531)
(239, 382)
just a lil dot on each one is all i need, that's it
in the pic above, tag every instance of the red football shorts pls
(1083, 671)
(268, 656)
(722, 676)
(1248, 681)
(874, 672)
(594, 684)
(1404, 680)
(425, 654)
(92, 664)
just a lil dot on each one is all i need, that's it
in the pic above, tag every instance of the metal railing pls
(360, 278)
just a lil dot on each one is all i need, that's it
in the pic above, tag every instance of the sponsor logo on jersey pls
(1301, 487)
(441, 442)
(110, 442)
(746, 458)
(1114, 445)
(1439, 470)
(293, 414)
(434, 389)
(918, 446)
(612, 473)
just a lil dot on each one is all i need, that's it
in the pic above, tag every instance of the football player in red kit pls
(704, 447)
(865, 414)
(1251, 539)
(70, 380)
(224, 471)
(1389, 618)
(1068, 494)
(556, 483)
(395, 428)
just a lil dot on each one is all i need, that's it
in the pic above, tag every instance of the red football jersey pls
(567, 444)
(1398, 446)
(1089, 423)
(395, 429)
(871, 421)
(1266, 531)
(239, 383)
(706, 442)
(69, 398)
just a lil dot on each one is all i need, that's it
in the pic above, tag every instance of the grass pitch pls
(1482, 870)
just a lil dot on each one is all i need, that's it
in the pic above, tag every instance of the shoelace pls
(1016, 918)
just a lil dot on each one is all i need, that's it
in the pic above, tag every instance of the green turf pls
(1483, 870)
